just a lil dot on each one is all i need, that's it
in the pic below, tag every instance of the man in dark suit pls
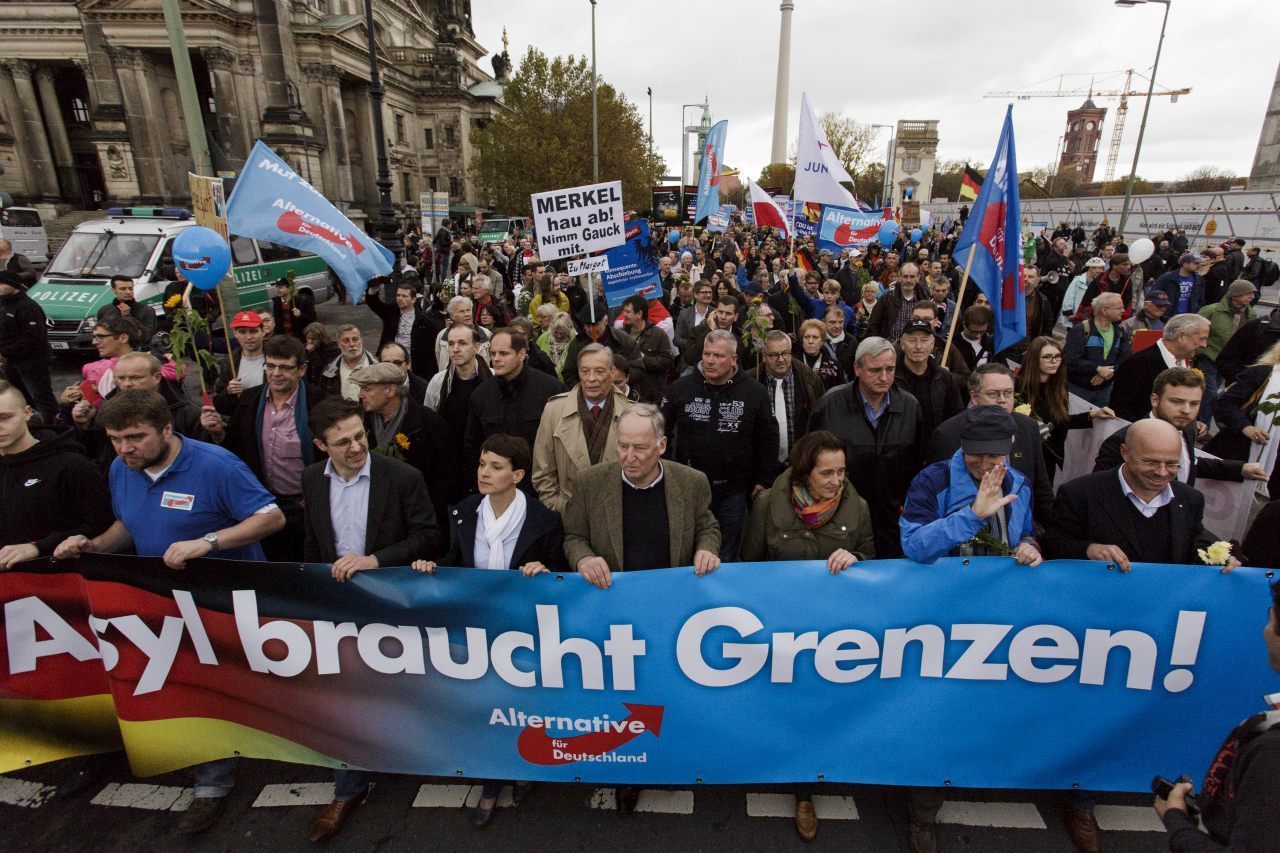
(363, 511)
(1175, 399)
(1140, 512)
(405, 323)
(1184, 335)
(405, 429)
(992, 385)
(292, 309)
(268, 430)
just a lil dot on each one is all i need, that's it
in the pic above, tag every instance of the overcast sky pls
(929, 59)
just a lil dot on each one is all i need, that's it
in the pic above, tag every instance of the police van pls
(24, 230)
(138, 242)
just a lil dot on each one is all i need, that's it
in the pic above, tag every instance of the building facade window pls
(455, 188)
(449, 137)
(428, 139)
(433, 183)
(911, 163)
(79, 111)
(406, 186)
(399, 128)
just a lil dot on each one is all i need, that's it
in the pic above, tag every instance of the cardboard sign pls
(589, 265)
(578, 220)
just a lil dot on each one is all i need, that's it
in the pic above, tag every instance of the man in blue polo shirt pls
(179, 499)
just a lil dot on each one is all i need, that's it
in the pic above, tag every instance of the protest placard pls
(585, 266)
(578, 220)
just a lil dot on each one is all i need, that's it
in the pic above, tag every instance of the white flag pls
(818, 172)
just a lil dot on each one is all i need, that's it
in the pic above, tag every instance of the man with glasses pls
(883, 431)
(268, 430)
(793, 389)
(415, 385)
(992, 385)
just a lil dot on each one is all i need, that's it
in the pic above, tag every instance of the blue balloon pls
(202, 256)
(888, 233)
(916, 234)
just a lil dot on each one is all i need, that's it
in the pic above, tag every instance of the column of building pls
(28, 130)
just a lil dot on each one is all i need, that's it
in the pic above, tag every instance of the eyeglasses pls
(998, 395)
(1051, 356)
(778, 355)
(101, 337)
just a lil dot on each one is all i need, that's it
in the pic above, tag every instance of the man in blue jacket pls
(1185, 285)
(974, 492)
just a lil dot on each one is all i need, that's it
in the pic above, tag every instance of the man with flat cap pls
(973, 492)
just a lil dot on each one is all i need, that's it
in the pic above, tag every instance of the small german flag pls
(970, 184)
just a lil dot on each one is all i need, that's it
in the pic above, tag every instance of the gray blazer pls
(593, 517)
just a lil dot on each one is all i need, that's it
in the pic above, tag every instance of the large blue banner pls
(633, 266)
(969, 673)
(273, 202)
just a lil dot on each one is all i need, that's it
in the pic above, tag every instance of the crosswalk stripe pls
(135, 796)
(302, 794)
(1011, 815)
(20, 792)
(651, 800)
(784, 805)
(1128, 819)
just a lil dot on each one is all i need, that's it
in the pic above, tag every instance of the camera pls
(1162, 787)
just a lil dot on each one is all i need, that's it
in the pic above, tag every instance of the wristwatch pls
(212, 539)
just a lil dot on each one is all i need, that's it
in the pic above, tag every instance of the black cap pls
(917, 326)
(12, 279)
(584, 313)
(988, 430)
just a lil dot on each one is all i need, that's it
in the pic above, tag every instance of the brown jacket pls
(775, 532)
(593, 517)
(560, 450)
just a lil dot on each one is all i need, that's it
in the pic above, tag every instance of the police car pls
(138, 242)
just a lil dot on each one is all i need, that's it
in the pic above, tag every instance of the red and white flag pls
(766, 210)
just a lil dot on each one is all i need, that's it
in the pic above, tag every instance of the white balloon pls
(1140, 250)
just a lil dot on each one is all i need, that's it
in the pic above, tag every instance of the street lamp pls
(1146, 107)
(595, 138)
(888, 160)
(650, 91)
(385, 225)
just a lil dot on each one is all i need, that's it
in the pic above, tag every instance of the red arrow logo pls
(292, 222)
(536, 747)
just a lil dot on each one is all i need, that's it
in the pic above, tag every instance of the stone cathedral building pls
(90, 113)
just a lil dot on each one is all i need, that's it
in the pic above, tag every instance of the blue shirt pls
(873, 415)
(205, 490)
(1186, 283)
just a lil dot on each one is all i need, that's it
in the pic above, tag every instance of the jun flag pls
(818, 172)
(766, 210)
(709, 172)
(274, 203)
(992, 231)
(970, 183)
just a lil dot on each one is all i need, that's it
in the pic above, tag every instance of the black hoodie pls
(51, 491)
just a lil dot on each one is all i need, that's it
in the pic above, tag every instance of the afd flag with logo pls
(273, 202)
(991, 232)
(709, 172)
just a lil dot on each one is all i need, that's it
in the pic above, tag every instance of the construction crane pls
(1124, 94)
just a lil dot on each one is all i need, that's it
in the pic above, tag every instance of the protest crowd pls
(768, 402)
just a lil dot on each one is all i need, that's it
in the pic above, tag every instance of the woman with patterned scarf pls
(811, 512)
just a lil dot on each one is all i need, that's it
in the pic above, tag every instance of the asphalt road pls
(273, 805)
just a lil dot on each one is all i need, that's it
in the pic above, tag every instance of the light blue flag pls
(274, 203)
(709, 172)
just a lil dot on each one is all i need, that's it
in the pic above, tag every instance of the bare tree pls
(850, 140)
(1206, 179)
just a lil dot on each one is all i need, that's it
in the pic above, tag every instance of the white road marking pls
(153, 797)
(651, 800)
(21, 792)
(301, 794)
(1128, 819)
(1013, 815)
(442, 796)
(784, 805)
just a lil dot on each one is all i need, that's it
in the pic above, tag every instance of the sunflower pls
(402, 440)
(173, 301)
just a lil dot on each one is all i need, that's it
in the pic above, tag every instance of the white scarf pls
(497, 529)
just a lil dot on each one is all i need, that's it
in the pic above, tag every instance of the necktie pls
(780, 415)
(595, 413)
